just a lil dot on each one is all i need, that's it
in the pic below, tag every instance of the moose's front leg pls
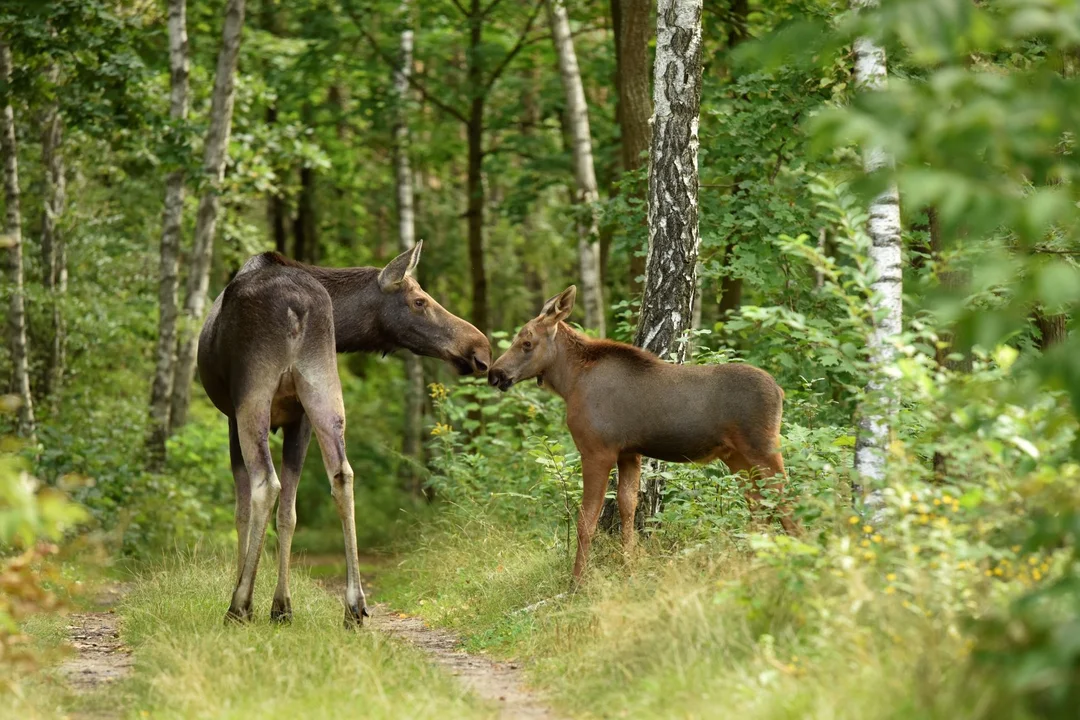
(595, 468)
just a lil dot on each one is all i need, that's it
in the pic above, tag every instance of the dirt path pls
(498, 682)
(501, 683)
(100, 658)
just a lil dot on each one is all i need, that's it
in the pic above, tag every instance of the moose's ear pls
(559, 307)
(401, 267)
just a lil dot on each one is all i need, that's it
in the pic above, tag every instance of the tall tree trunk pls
(12, 240)
(885, 253)
(588, 195)
(217, 142)
(305, 226)
(1053, 329)
(168, 268)
(412, 444)
(671, 268)
(634, 31)
(474, 186)
(276, 203)
(54, 256)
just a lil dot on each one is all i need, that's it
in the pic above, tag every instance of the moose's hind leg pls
(253, 429)
(629, 485)
(242, 485)
(294, 449)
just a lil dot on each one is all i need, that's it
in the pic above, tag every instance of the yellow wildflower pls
(936, 501)
(998, 571)
(891, 577)
(869, 555)
(1035, 574)
(876, 538)
(441, 429)
(890, 590)
(865, 543)
(867, 529)
(1015, 548)
(853, 520)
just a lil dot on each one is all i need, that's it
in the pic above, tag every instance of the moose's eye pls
(419, 302)
(526, 345)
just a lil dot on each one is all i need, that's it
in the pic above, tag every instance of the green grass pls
(189, 664)
(702, 633)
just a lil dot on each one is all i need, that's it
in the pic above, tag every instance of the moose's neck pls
(562, 375)
(356, 296)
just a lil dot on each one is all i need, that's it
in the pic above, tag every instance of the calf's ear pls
(401, 267)
(559, 307)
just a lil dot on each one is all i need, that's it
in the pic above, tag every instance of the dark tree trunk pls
(276, 203)
(474, 131)
(305, 225)
(633, 32)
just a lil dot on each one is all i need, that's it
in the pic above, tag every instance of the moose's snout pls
(480, 361)
(498, 378)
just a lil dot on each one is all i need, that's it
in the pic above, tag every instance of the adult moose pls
(267, 360)
(623, 402)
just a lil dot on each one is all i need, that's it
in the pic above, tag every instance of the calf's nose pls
(480, 362)
(496, 377)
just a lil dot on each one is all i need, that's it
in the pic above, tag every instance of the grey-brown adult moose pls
(267, 359)
(623, 402)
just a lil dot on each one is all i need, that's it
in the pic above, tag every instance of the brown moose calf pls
(623, 402)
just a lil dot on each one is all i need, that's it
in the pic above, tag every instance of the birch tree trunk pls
(214, 154)
(635, 106)
(412, 445)
(587, 196)
(885, 252)
(12, 241)
(54, 255)
(671, 266)
(165, 354)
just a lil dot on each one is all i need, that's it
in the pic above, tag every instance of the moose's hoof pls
(281, 611)
(238, 616)
(354, 616)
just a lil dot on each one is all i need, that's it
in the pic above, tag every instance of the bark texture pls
(588, 194)
(214, 154)
(412, 443)
(12, 241)
(671, 267)
(169, 261)
(635, 106)
(53, 250)
(883, 228)
(667, 306)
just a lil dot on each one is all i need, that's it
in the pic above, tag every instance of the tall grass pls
(706, 632)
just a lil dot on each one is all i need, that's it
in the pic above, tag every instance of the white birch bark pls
(168, 268)
(53, 253)
(885, 258)
(412, 445)
(587, 195)
(674, 241)
(214, 154)
(12, 241)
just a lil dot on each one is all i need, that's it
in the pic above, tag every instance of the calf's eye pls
(526, 345)
(419, 302)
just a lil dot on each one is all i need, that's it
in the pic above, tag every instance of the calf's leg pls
(253, 428)
(629, 486)
(595, 468)
(294, 449)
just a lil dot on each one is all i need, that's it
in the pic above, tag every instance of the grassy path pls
(157, 647)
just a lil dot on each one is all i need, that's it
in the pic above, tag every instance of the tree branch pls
(392, 62)
(489, 8)
(460, 7)
(514, 50)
